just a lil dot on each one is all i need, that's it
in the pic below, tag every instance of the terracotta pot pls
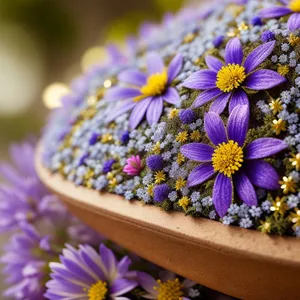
(239, 262)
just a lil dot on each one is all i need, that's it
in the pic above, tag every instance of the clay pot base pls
(239, 262)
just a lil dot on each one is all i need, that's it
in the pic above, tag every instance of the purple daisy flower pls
(167, 284)
(291, 7)
(147, 92)
(85, 274)
(222, 83)
(235, 164)
(25, 264)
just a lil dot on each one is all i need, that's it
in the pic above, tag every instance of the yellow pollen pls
(278, 126)
(283, 70)
(288, 185)
(170, 290)
(98, 291)
(159, 177)
(230, 77)
(295, 161)
(155, 86)
(294, 5)
(184, 202)
(228, 158)
(279, 206)
(180, 183)
(276, 106)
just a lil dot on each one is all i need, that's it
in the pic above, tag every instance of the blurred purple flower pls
(167, 284)
(85, 274)
(291, 7)
(25, 264)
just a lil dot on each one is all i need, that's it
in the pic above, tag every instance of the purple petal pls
(234, 52)
(237, 125)
(262, 174)
(133, 77)
(155, 63)
(220, 103)
(222, 194)
(239, 97)
(174, 67)
(285, 2)
(201, 80)
(147, 282)
(258, 56)
(200, 174)
(213, 63)
(274, 12)
(122, 286)
(263, 79)
(138, 112)
(126, 106)
(197, 152)
(206, 96)
(214, 128)
(294, 22)
(171, 96)
(109, 260)
(155, 110)
(123, 265)
(264, 147)
(121, 93)
(245, 189)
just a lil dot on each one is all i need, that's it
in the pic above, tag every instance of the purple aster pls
(223, 83)
(86, 274)
(291, 7)
(167, 284)
(236, 165)
(25, 264)
(144, 94)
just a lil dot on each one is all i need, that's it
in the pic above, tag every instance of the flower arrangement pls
(201, 116)
(52, 255)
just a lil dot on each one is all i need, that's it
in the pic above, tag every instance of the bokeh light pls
(22, 69)
(53, 93)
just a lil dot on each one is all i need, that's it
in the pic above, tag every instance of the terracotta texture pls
(242, 263)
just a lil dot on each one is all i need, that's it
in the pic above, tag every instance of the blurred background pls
(46, 43)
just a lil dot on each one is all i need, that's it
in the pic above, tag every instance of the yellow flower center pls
(170, 290)
(228, 158)
(98, 291)
(155, 86)
(230, 77)
(295, 5)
